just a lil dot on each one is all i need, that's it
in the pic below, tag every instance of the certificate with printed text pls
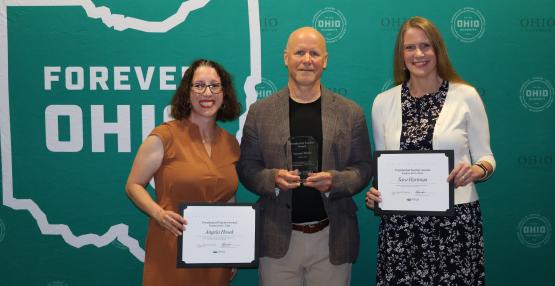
(219, 235)
(414, 182)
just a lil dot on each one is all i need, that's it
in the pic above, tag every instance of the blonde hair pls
(444, 68)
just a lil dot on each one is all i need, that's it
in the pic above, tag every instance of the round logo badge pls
(534, 231)
(536, 94)
(265, 88)
(2, 230)
(468, 25)
(331, 23)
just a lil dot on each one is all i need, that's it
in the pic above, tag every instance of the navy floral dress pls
(429, 250)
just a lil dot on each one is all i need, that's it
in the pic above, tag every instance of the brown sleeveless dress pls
(188, 174)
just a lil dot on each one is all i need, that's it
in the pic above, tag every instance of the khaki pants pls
(306, 263)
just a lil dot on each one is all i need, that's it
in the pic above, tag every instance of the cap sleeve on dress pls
(163, 132)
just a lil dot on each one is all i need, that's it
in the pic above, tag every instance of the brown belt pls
(312, 227)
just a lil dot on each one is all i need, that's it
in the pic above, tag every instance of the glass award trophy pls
(302, 154)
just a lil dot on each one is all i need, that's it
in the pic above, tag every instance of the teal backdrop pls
(83, 81)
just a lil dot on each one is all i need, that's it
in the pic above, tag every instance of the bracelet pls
(486, 173)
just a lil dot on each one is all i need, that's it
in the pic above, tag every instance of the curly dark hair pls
(181, 101)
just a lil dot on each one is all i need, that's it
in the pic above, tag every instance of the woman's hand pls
(171, 221)
(464, 173)
(372, 196)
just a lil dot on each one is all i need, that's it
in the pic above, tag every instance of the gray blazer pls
(345, 154)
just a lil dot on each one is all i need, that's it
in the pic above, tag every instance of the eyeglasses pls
(200, 87)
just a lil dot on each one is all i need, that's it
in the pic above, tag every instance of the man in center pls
(310, 231)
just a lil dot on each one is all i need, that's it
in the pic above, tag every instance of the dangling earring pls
(223, 106)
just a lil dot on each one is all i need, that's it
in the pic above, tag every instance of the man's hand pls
(321, 181)
(288, 180)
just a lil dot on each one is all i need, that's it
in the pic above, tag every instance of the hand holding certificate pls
(219, 235)
(414, 182)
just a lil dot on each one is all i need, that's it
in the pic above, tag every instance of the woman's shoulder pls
(466, 94)
(165, 126)
(388, 95)
(166, 129)
(229, 143)
(463, 89)
(396, 90)
(227, 137)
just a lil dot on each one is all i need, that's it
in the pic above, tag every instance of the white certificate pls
(414, 182)
(218, 235)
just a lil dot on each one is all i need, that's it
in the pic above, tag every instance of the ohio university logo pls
(536, 94)
(534, 231)
(265, 88)
(468, 25)
(331, 23)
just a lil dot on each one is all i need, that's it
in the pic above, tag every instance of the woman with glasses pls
(191, 159)
(432, 108)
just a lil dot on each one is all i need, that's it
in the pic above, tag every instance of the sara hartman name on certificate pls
(411, 179)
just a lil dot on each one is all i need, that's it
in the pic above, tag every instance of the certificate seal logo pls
(468, 25)
(331, 23)
(536, 94)
(534, 231)
(265, 88)
(2, 230)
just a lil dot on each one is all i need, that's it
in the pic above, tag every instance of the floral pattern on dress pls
(419, 117)
(429, 250)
